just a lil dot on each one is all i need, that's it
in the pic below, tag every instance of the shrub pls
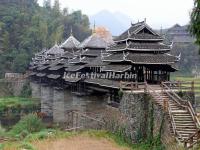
(120, 94)
(2, 131)
(26, 90)
(30, 123)
(1, 146)
(26, 146)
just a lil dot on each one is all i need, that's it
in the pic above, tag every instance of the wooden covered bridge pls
(139, 51)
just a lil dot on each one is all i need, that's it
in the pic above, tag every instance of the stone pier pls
(47, 99)
(36, 90)
(59, 110)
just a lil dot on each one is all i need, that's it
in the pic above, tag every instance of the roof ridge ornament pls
(132, 23)
(94, 28)
(129, 34)
(179, 57)
(102, 57)
(81, 58)
(125, 55)
(171, 45)
(71, 33)
(127, 44)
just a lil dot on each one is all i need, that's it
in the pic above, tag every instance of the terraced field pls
(196, 87)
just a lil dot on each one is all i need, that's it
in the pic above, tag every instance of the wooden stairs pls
(183, 120)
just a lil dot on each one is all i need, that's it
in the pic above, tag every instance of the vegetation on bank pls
(195, 21)
(187, 78)
(31, 129)
(17, 103)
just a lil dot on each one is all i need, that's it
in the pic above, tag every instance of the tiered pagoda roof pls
(94, 42)
(139, 32)
(139, 45)
(71, 43)
(55, 50)
(139, 50)
(140, 58)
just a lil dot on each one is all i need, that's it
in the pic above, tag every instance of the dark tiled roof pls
(53, 76)
(63, 61)
(145, 36)
(50, 57)
(32, 73)
(41, 74)
(96, 62)
(74, 68)
(183, 39)
(138, 46)
(47, 62)
(56, 67)
(104, 83)
(94, 41)
(92, 52)
(175, 66)
(67, 55)
(32, 67)
(78, 60)
(139, 58)
(116, 68)
(70, 43)
(132, 33)
(72, 80)
(43, 67)
(41, 53)
(55, 50)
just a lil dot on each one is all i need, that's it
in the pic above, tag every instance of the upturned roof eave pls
(137, 39)
(147, 63)
(143, 50)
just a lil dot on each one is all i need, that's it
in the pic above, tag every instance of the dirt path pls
(77, 143)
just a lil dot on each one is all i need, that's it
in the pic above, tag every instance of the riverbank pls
(13, 108)
(31, 134)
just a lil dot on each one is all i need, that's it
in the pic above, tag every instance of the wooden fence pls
(80, 121)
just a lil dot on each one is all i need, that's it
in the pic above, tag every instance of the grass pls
(16, 102)
(196, 81)
(51, 134)
(29, 124)
(196, 86)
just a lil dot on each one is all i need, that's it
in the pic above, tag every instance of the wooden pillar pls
(192, 86)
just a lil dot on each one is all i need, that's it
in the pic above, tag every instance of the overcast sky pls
(158, 12)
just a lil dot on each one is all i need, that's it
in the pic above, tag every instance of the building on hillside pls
(180, 34)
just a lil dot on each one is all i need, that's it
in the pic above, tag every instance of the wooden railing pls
(80, 121)
(181, 85)
(191, 141)
(186, 105)
(131, 86)
(166, 107)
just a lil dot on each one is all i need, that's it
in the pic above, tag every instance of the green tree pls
(26, 28)
(195, 21)
(47, 4)
(56, 8)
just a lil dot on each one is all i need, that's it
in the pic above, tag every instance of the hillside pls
(116, 22)
(26, 28)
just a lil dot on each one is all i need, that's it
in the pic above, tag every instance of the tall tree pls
(28, 29)
(56, 8)
(195, 21)
(47, 4)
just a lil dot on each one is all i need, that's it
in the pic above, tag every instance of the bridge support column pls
(47, 100)
(59, 105)
(36, 90)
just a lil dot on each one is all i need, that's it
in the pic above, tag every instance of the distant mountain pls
(116, 22)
